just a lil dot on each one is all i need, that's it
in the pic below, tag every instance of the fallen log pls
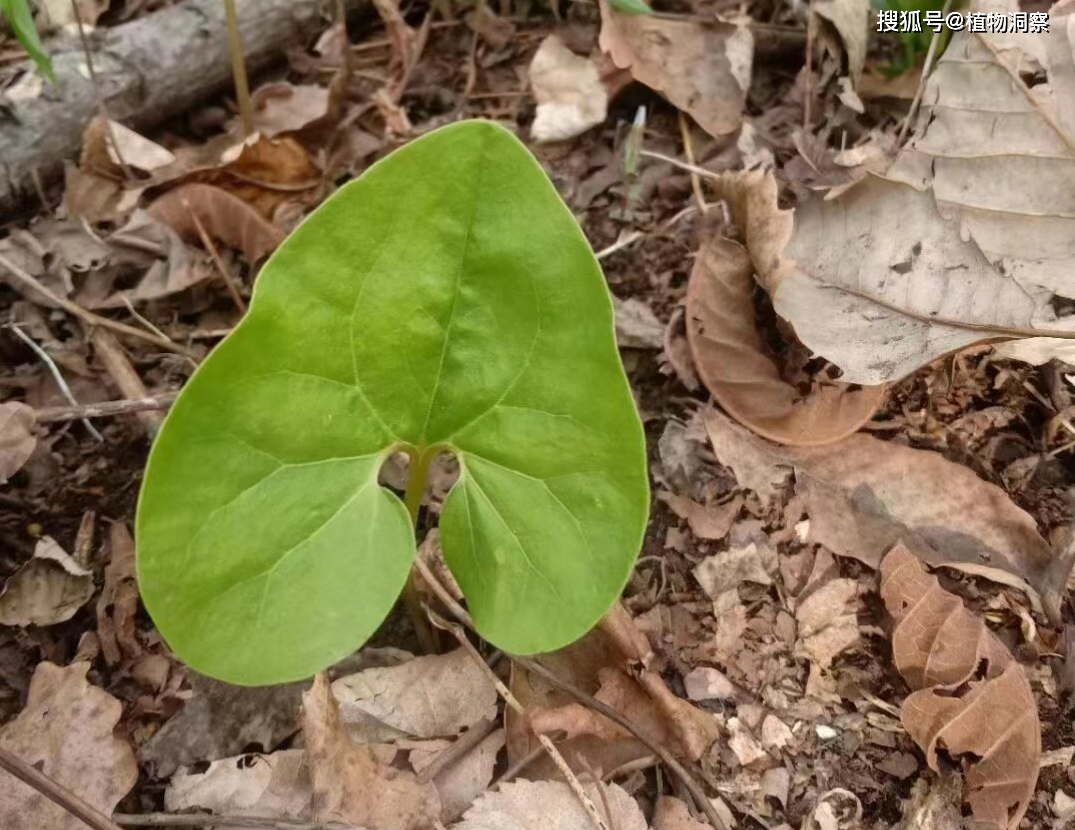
(148, 70)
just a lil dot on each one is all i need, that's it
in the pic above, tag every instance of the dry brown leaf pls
(704, 69)
(970, 697)
(567, 87)
(434, 696)
(225, 217)
(174, 267)
(710, 522)
(282, 108)
(863, 495)
(48, 589)
(968, 236)
(349, 783)
(66, 731)
(17, 440)
(118, 603)
(276, 785)
(495, 30)
(735, 365)
(549, 805)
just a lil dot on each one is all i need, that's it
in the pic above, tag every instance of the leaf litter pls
(763, 660)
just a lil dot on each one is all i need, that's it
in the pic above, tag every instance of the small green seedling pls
(21, 19)
(445, 302)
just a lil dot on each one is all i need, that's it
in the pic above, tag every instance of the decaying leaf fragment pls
(970, 697)
(17, 442)
(863, 495)
(224, 217)
(47, 590)
(66, 730)
(739, 370)
(704, 69)
(349, 783)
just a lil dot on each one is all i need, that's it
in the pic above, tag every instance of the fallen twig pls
(252, 822)
(106, 409)
(55, 792)
(88, 316)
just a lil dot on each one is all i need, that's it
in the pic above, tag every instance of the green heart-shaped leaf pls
(446, 301)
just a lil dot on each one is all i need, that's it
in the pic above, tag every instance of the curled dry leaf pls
(704, 69)
(550, 805)
(850, 19)
(66, 731)
(567, 87)
(737, 368)
(225, 217)
(637, 327)
(349, 783)
(970, 697)
(435, 696)
(17, 440)
(118, 603)
(710, 522)
(47, 590)
(863, 495)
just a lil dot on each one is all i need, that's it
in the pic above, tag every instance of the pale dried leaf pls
(463, 781)
(136, 150)
(224, 217)
(710, 522)
(276, 785)
(724, 571)
(567, 87)
(66, 731)
(48, 589)
(637, 327)
(221, 720)
(704, 69)
(971, 698)
(549, 805)
(705, 683)
(434, 696)
(349, 783)
(737, 367)
(863, 495)
(17, 440)
(851, 20)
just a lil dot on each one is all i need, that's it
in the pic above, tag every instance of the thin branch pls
(88, 316)
(252, 822)
(690, 168)
(688, 151)
(107, 409)
(65, 390)
(57, 793)
(589, 701)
